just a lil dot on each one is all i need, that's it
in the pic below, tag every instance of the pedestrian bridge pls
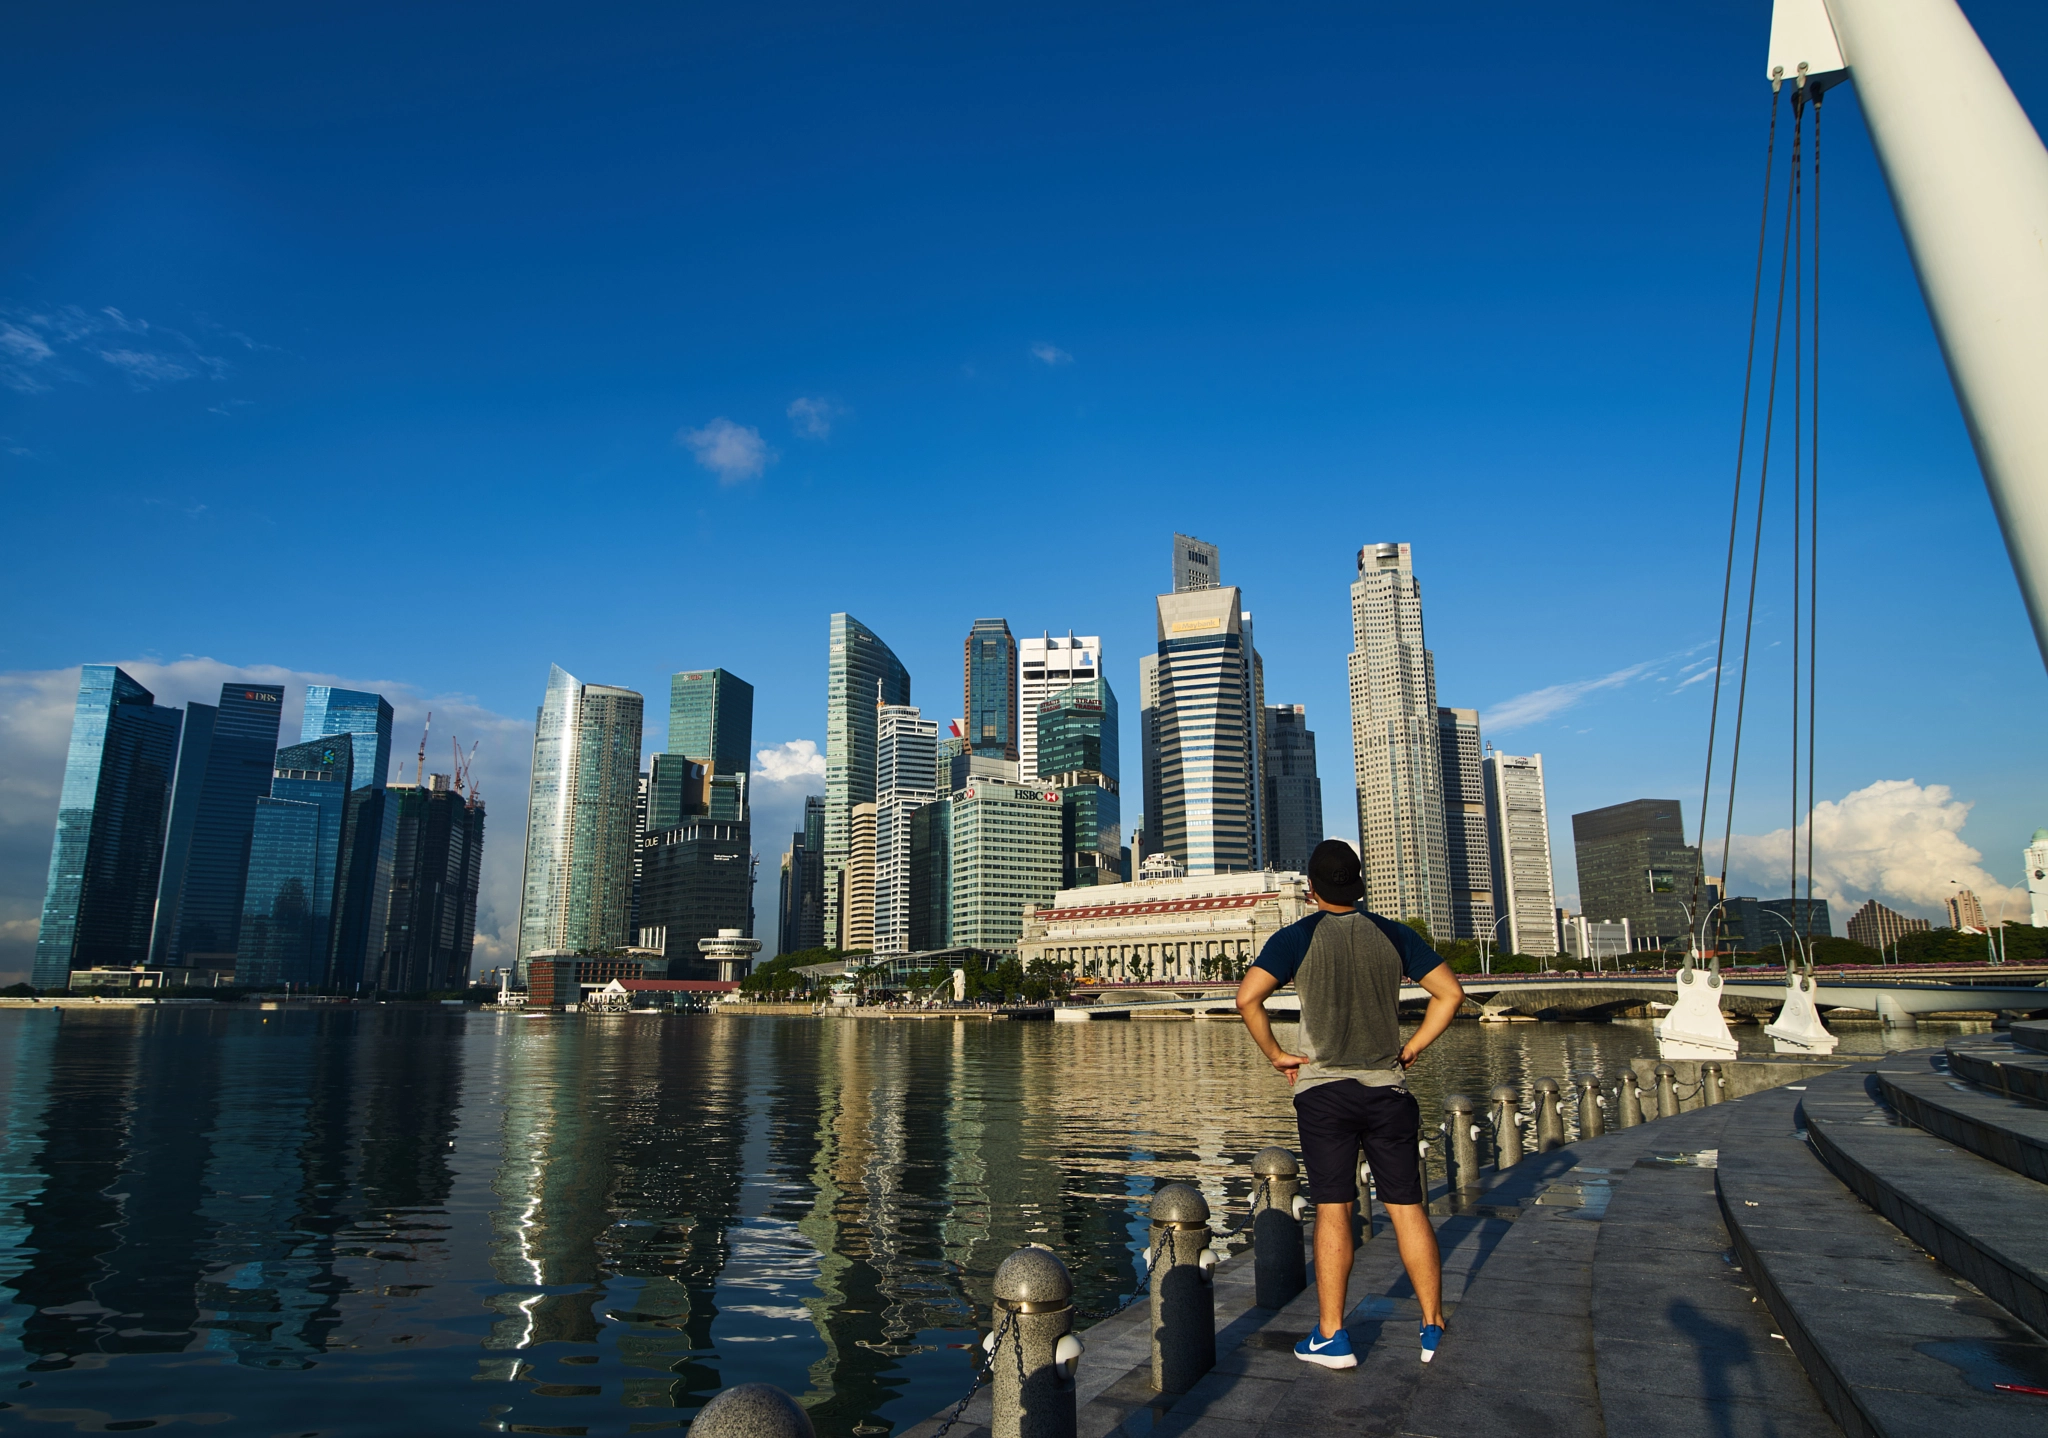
(1745, 995)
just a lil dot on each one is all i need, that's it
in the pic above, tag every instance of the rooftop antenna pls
(420, 767)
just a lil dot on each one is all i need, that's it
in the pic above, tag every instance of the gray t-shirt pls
(1347, 970)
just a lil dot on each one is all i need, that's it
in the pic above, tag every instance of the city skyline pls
(227, 289)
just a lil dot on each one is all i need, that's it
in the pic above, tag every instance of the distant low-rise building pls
(554, 979)
(1876, 927)
(1596, 941)
(1184, 927)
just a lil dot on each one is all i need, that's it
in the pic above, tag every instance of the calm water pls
(309, 1222)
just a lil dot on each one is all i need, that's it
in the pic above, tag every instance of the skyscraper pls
(906, 779)
(711, 719)
(989, 688)
(1196, 565)
(1634, 864)
(1876, 927)
(810, 905)
(1294, 793)
(1005, 843)
(355, 712)
(297, 889)
(195, 742)
(1046, 666)
(1201, 761)
(1468, 853)
(857, 883)
(199, 905)
(370, 843)
(1394, 743)
(931, 876)
(578, 886)
(1964, 911)
(859, 661)
(1518, 824)
(695, 880)
(108, 850)
(1078, 751)
(431, 931)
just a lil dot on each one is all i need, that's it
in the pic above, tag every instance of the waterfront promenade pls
(1710, 1273)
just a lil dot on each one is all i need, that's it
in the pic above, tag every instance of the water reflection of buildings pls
(193, 1180)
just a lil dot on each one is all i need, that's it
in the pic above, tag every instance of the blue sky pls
(373, 343)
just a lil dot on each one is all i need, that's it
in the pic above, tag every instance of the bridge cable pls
(1735, 510)
(1795, 216)
(1813, 535)
(1762, 489)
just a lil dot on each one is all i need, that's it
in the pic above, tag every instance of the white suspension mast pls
(1969, 180)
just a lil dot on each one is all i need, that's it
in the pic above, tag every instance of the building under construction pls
(439, 860)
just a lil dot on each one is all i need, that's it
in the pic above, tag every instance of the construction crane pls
(465, 768)
(419, 768)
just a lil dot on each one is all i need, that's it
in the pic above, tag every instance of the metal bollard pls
(1183, 1302)
(1667, 1090)
(1279, 1267)
(1033, 1349)
(1464, 1136)
(1549, 1117)
(1592, 1119)
(1713, 1087)
(1630, 1098)
(754, 1410)
(1507, 1127)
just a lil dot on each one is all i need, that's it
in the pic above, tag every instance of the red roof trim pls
(675, 986)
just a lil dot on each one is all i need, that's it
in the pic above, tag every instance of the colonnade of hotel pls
(1184, 959)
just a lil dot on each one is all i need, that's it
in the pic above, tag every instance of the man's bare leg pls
(1333, 1264)
(1419, 1256)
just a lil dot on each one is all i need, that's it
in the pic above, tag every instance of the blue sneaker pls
(1432, 1334)
(1330, 1352)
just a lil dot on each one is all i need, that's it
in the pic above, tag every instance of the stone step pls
(1895, 1343)
(2032, 1034)
(1979, 1218)
(1996, 1064)
(2007, 1131)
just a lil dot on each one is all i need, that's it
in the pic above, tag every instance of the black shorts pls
(1339, 1119)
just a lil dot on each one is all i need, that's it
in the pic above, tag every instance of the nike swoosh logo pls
(1315, 1347)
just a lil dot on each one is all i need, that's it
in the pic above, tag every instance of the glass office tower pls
(1077, 754)
(989, 689)
(431, 931)
(711, 719)
(370, 844)
(108, 851)
(862, 672)
(195, 743)
(199, 910)
(577, 892)
(299, 835)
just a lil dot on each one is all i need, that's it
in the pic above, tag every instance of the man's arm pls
(1445, 995)
(1251, 1007)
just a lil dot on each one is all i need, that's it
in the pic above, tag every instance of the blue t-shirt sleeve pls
(1284, 952)
(1417, 957)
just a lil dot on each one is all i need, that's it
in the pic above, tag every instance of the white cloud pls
(144, 368)
(34, 347)
(793, 760)
(1896, 841)
(812, 417)
(35, 730)
(1050, 354)
(731, 451)
(1540, 704)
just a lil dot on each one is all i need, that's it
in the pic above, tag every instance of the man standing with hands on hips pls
(1350, 1083)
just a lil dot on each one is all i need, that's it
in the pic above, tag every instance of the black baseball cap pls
(1334, 874)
